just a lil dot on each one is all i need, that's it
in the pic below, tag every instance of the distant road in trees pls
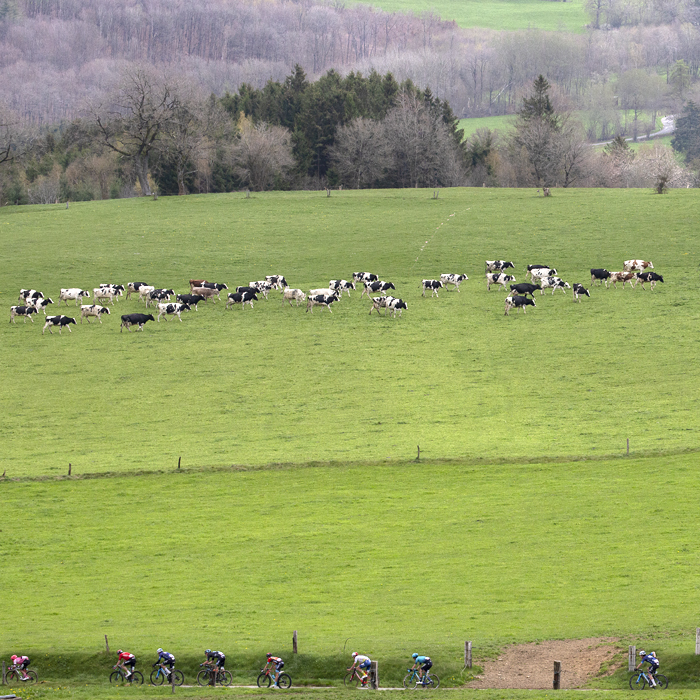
(669, 126)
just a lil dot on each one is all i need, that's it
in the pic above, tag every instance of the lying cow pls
(241, 298)
(516, 302)
(433, 285)
(554, 283)
(599, 274)
(580, 290)
(453, 279)
(498, 278)
(59, 321)
(140, 320)
(72, 293)
(320, 300)
(189, 299)
(25, 311)
(498, 265)
(171, 309)
(650, 277)
(87, 310)
(640, 265)
(290, 295)
(525, 288)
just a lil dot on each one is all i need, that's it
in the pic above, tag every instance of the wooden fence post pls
(107, 643)
(628, 446)
(4, 677)
(557, 675)
(632, 658)
(69, 468)
(467, 654)
(697, 641)
(294, 642)
(374, 674)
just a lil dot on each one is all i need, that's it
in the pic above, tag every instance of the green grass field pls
(502, 123)
(498, 14)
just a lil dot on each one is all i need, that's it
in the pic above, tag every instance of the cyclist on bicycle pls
(216, 660)
(124, 659)
(363, 664)
(21, 663)
(166, 659)
(424, 662)
(654, 664)
(276, 663)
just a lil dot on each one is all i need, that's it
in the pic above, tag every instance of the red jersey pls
(126, 656)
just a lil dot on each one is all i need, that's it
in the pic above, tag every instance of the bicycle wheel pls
(12, 676)
(136, 677)
(351, 680)
(410, 681)
(203, 677)
(661, 680)
(225, 677)
(638, 682)
(432, 681)
(116, 677)
(285, 680)
(179, 677)
(264, 680)
(157, 677)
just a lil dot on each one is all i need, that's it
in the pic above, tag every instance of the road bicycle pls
(207, 676)
(353, 679)
(413, 680)
(119, 677)
(159, 676)
(640, 681)
(266, 678)
(14, 674)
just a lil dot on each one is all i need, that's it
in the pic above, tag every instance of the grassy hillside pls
(498, 14)
(277, 384)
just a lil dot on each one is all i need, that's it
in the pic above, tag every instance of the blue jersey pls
(651, 660)
(166, 658)
(422, 659)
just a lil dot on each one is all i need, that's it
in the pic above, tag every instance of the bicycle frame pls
(415, 674)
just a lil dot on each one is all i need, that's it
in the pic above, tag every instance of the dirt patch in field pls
(532, 665)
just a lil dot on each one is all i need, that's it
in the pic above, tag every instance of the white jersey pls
(359, 659)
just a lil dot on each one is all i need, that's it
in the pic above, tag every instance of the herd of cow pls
(542, 277)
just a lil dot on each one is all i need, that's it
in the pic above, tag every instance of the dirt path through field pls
(532, 665)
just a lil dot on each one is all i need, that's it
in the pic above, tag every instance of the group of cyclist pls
(363, 663)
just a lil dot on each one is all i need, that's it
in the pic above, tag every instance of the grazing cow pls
(60, 321)
(129, 320)
(498, 265)
(40, 303)
(454, 279)
(261, 287)
(524, 288)
(72, 293)
(623, 277)
(433, 285)
(600, 274)
(25, 311)
(640, 265)
(364, 277)
(100, 293)
(542, 272)
(133, 288)
(241, 298)
(579, 290)
(174, 309)
(277, 281)
(498, 278)
(554, 283)
(376, 286)
(28, 295)
(290, 295)
(87, 310)
(157, 295)
(189, 299)
(207, 293)
(650, 277)
(516, 302)
(341, 286)
(320, 300)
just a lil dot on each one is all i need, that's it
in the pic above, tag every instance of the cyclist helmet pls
(354, 654)
(642, 653)
(119, 651)
(160, 651)
(13, 657)
(207, 651)
(414, 656)
(269, 655)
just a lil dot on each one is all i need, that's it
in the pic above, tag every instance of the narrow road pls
(668, 127)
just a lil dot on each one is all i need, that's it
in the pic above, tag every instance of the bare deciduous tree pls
(361, 153)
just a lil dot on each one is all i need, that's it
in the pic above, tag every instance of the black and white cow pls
(580, 290)
(240, 290)
(498, 278)
(72, 293)
(40, 303)
(539, 273)
(241, 298)
(290, 295)
(134, 287)
(219, 286)
(364, 277)
(453, 279)
(190, 299)
(320, 300)
(341, 286)
(139, 320)
(59, 321)
(651, 277)
(525, 288)
(100, 293)
(87, 310)
(376, 286)
(554, 283)
(261, 287)
(599, 274)
(171, 309)
(28, 295)
(277, 281)
(118, 289)
(498, 265)
(516, 302)
(433, 285)
(25, 311)
(530, 268)
(393, 304)
(159, 295)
